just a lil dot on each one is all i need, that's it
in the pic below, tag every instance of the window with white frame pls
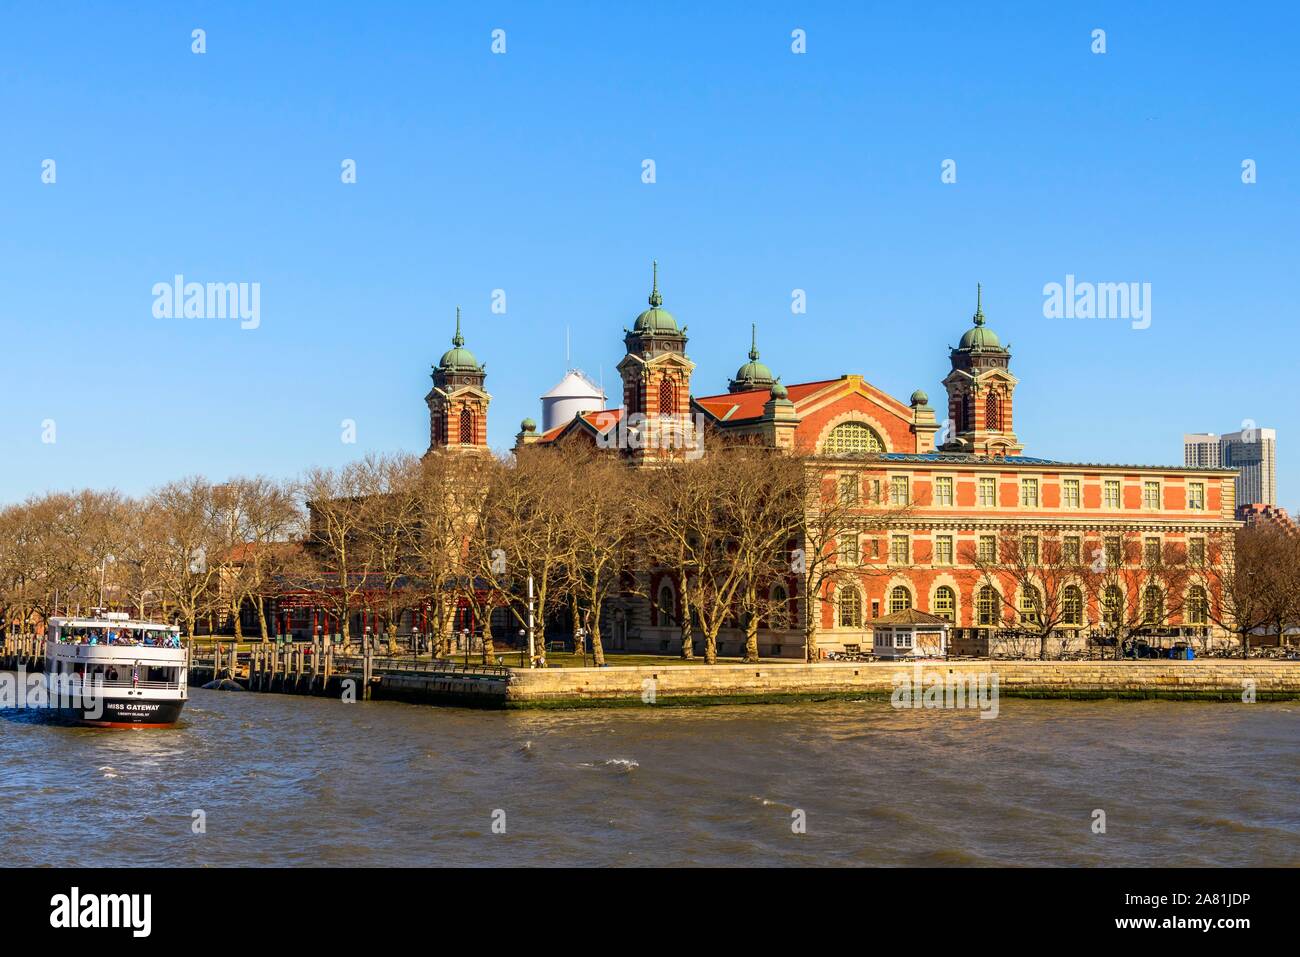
(1111, 493)
(1029, 492)
(1071, 495)
(943, 490)
(988, 491)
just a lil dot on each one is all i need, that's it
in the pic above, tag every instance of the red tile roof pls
(599, 422)
(739, 406)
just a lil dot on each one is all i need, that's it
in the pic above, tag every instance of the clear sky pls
(523, 172)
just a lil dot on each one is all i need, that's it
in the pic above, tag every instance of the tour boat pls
(112, 672)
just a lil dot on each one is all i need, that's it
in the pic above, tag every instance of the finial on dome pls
(979, 304)
(656, 300)
(458, 340)
(753, 342)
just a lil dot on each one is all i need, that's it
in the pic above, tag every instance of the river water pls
(307, 781)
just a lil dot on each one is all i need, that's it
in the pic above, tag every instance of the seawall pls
(1218, 680)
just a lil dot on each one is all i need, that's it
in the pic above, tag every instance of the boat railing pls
(128, 683)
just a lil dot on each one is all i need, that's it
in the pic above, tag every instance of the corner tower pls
(980, 389)
(656, 377)
(458, 402)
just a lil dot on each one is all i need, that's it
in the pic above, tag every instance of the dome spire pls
(458, 340)
(753, 342)
(979, 304)
(656, 300)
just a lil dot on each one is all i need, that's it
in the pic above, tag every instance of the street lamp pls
(103, 565)
(464, 637)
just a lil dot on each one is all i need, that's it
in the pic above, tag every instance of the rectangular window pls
(849, 550)
(943, 490)
(898, 490)
(1071, 549)
(902, 639)
(875, 608)
(1029, 549)
(1111, 489)
(1150, 494)
(1114, 553)
(943, 550)
(988, 548)
(1196, 551)
(988, 491)
(899, 551)
(1196, 496)
(875, 491)
(1151, 552)
(875, 548)
(1029, 492)
(1070, 495)
(849, 486)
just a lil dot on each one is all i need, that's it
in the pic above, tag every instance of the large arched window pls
(945, 603)
(1198, 606)
(780, 607)
(1031, 605)
(987, 606)
(666, 604)
(667, 397)
(849, 437)
(1112, 605)
(900, 599)
(1072, 605)
(466, 427)
(850, 607)
(1153, 605)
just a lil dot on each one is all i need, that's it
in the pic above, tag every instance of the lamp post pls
(103, 566)
(464, 637)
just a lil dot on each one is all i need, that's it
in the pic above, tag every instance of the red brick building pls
(961, 483)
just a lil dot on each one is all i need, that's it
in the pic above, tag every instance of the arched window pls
(667, 397)
(987, 606)
(945, 603)
(1072, 605)
(900, 599)
(1112, 605)
(1153, 605)
(1198, 606)
(780, 607)
(667, 605)
(850, 607)
(1031, 605)
(466, 427)
(993, 412)
(850, 437)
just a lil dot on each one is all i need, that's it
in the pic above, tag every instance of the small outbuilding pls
(910, 634)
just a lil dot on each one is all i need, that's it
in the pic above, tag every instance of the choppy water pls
(292, 781)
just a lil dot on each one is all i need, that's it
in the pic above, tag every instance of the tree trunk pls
(239, 620)
(489, 649)
(751, 638)
(597, 648)
(688, 636)
(261, 618)
(711, 646)
(1042, 646)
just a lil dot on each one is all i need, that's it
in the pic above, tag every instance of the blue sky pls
(522, 172)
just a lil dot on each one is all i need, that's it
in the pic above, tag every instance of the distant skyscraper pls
(1253, 452)
(1202, 450)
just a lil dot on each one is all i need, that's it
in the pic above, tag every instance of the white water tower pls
(573, 395)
